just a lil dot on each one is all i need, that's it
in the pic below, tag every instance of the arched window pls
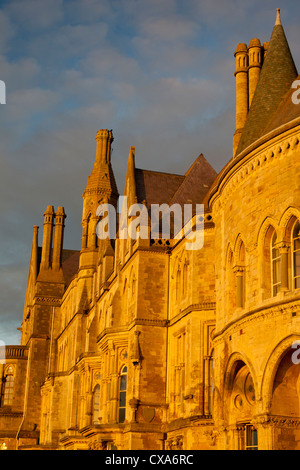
(275, 262)
(178, 282)
(240, 277)
(184, 279)
(296, 255)
(122, 394)
(230, 283)
(88, 230)
(96, 404)
(8, 387)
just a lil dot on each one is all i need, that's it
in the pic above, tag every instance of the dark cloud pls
(159, 73)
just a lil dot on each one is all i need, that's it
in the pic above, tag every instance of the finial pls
(278, 20)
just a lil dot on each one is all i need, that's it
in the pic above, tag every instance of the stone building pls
(145, 344)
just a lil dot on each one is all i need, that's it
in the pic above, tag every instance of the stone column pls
(240, 287)
(284, 258)
(206, 385)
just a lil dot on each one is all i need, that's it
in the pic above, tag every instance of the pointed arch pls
(8, 379)
(240, 396)
(88, 229)
(269, 268)
(96, 405)
(239, 250)
(185, 273)
(265, 225)
(290, 227)
(230, 281)
(287, 220)
(122, 394)
(272, 364)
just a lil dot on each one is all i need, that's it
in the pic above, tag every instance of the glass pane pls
(297, 283)
(296, 230)
(254, 437)
(276, 271)
(297, 264)
(275, 253)
(121, 415)
(297, 244)
(122, 398)
(251, 438)
(123, 382)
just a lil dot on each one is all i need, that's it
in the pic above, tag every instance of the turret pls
(130, 188)
(101, 188)
(104, 139)
(34, 253)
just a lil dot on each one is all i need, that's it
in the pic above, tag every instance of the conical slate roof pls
(287, 111)
(276, 77)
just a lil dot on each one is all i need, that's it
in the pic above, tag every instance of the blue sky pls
(157, 72)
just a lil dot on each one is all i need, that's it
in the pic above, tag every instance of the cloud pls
(7, 32)
(35, 15)
(12, 287)
(159, 73)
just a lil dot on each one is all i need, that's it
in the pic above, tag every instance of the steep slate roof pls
(276, 77)
(167, 188)
(70, 264)
(158, 188)
(286, 112)
(197, 181)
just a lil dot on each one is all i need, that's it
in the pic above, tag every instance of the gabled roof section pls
(70, 264)
(276, 77)
(159, 188)
(198, 179)
(156, 187)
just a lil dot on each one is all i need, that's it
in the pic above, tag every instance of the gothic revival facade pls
(145, 344)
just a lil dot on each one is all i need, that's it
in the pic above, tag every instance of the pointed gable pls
(197, 181)
(277, 74)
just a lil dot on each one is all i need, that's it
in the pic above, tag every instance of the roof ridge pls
(160, 172)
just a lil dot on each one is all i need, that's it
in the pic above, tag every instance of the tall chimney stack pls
(47, 238)
(58, 238)
(242, 91)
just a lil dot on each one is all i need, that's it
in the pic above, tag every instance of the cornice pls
(255, 157)
(276, 308)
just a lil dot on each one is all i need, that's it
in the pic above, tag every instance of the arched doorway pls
(241, 409)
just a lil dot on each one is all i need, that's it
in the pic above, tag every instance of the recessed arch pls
(287, 220)
(240, 396)
(271, 367)
(264, 227)
(234, 363)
